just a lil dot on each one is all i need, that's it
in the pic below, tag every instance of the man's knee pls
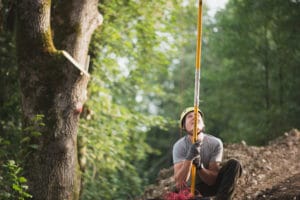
(235, 165)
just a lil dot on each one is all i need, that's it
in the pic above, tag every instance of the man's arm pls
(182, 172)
(210, 175)
(182, 168)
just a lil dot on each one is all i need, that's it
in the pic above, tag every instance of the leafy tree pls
(248, 80)
(128, 60)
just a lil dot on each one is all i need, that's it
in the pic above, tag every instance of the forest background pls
(142, 77)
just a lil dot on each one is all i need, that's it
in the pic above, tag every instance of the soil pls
(269, 172)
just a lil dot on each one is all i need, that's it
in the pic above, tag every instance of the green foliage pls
(128, 62)
(115, 140)
(31, 134)
(12, 183)
(251, 83)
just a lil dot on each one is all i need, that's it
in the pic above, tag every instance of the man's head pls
(187, 120)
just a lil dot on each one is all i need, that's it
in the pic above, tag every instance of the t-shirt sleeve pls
(178, 153)
(217, 154)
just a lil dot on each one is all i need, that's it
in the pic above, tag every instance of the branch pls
(73, 23)
(82, 69)
(34, 25)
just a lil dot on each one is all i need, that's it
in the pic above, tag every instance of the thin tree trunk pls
(51, 86)
(267, 72)
(280, 95)
(267, 87)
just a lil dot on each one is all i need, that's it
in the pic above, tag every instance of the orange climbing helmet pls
(184, 113)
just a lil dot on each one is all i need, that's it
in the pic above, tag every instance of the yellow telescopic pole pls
(197, 90)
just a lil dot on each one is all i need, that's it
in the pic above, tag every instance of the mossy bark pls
(53, 87)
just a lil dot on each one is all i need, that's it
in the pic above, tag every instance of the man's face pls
(189, 123)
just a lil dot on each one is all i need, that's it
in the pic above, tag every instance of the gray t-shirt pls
(211, 149)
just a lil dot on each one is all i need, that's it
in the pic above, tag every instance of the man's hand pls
(197, 162)
(194, 151)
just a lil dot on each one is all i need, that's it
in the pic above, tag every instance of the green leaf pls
(36, 133)
(25, 140)
(34, 146)
(22, 179)
(16, 187)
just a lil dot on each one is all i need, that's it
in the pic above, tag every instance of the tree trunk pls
(53, 87)
(267, 70)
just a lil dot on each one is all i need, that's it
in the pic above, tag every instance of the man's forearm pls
(208, 176)
(182, 173)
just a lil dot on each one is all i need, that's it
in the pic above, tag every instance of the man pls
(206, 153)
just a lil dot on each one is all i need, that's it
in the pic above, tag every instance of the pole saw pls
(197, 90)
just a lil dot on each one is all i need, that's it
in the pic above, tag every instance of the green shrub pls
(12, 183)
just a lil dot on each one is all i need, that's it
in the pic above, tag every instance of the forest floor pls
(269, 172)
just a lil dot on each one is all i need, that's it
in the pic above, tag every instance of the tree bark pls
(53, 87)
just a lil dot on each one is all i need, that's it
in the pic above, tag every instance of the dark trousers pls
(225, 184)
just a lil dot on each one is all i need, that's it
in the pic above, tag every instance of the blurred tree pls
(250, 43)
(10, 112)
(130, 53)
